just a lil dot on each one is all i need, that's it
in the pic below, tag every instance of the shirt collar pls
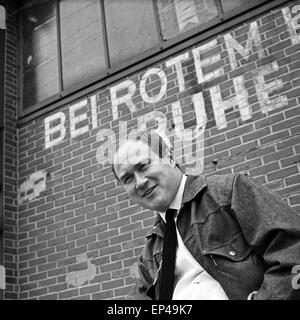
(177, 201)
(194, 185)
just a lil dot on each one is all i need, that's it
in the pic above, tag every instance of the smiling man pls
(150, 179)
(217, 238)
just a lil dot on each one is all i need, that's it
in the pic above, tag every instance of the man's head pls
(146, 167)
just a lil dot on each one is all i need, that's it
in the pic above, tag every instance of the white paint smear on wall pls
(80, 277)
(32, 187)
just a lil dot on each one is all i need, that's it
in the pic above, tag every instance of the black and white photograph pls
(150, 153)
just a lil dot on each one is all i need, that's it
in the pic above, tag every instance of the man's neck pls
(177, 201)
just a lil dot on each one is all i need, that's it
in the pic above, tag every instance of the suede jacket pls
(245, 236)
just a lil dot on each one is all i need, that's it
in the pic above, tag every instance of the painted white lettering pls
(200, 113)
(185, 138)
(161, 121)
(292, 23)
(296, 19)
(177, 62)
(163, 89)
(263, 89)
(94, 111)
(50, 131)
(240, 99)
(201, 64)
(232, 44)
(126, 98)
(77, 119)
(105, 152)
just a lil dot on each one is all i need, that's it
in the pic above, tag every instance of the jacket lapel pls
(193, 185)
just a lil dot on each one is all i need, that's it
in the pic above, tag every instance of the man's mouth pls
(148, 191)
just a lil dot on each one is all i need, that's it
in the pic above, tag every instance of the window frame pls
(3, 39)
(165, 48)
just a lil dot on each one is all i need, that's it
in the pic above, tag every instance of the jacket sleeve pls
(272, 228)
(143, 281)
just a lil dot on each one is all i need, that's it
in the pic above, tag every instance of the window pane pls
(81, 40)
(131, 28)
(40, 60)
(178, 16)
(229, 5)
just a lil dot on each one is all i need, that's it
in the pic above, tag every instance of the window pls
(82, 45)
(179, 16)
(40, 56)
(229, 5)
(131, 28)
(2, 85)
(69, 44)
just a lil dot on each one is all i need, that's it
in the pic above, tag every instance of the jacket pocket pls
(236, 249)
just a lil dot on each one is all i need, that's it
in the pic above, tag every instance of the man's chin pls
(156, 207)
(151, 205)
(155, 202)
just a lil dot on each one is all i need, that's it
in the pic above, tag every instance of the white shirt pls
(192, 282)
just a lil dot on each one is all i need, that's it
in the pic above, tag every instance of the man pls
(234, 239)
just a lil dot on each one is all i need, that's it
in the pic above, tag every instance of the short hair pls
(156, 143)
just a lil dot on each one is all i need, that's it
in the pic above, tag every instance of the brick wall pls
(11, 157)
(79, 235)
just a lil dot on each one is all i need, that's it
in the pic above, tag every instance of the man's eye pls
(144, 166)
(127, 179)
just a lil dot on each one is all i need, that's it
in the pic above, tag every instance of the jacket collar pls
(193, 186)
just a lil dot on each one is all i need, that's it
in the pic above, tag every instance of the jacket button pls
(232, 253)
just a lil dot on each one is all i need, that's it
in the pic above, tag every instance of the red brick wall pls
(78, 233)
(11, 157)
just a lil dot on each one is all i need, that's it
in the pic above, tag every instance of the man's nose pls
(140, 180)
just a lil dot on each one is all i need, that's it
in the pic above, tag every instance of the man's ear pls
(170, 156)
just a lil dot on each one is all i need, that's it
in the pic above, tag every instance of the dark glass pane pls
(229, 5)
(81, 40)
(178, 16)
(40, 59)
(131, 28)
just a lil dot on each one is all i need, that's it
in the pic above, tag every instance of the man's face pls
(150, 181)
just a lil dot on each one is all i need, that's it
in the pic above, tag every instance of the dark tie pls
(168, 257)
